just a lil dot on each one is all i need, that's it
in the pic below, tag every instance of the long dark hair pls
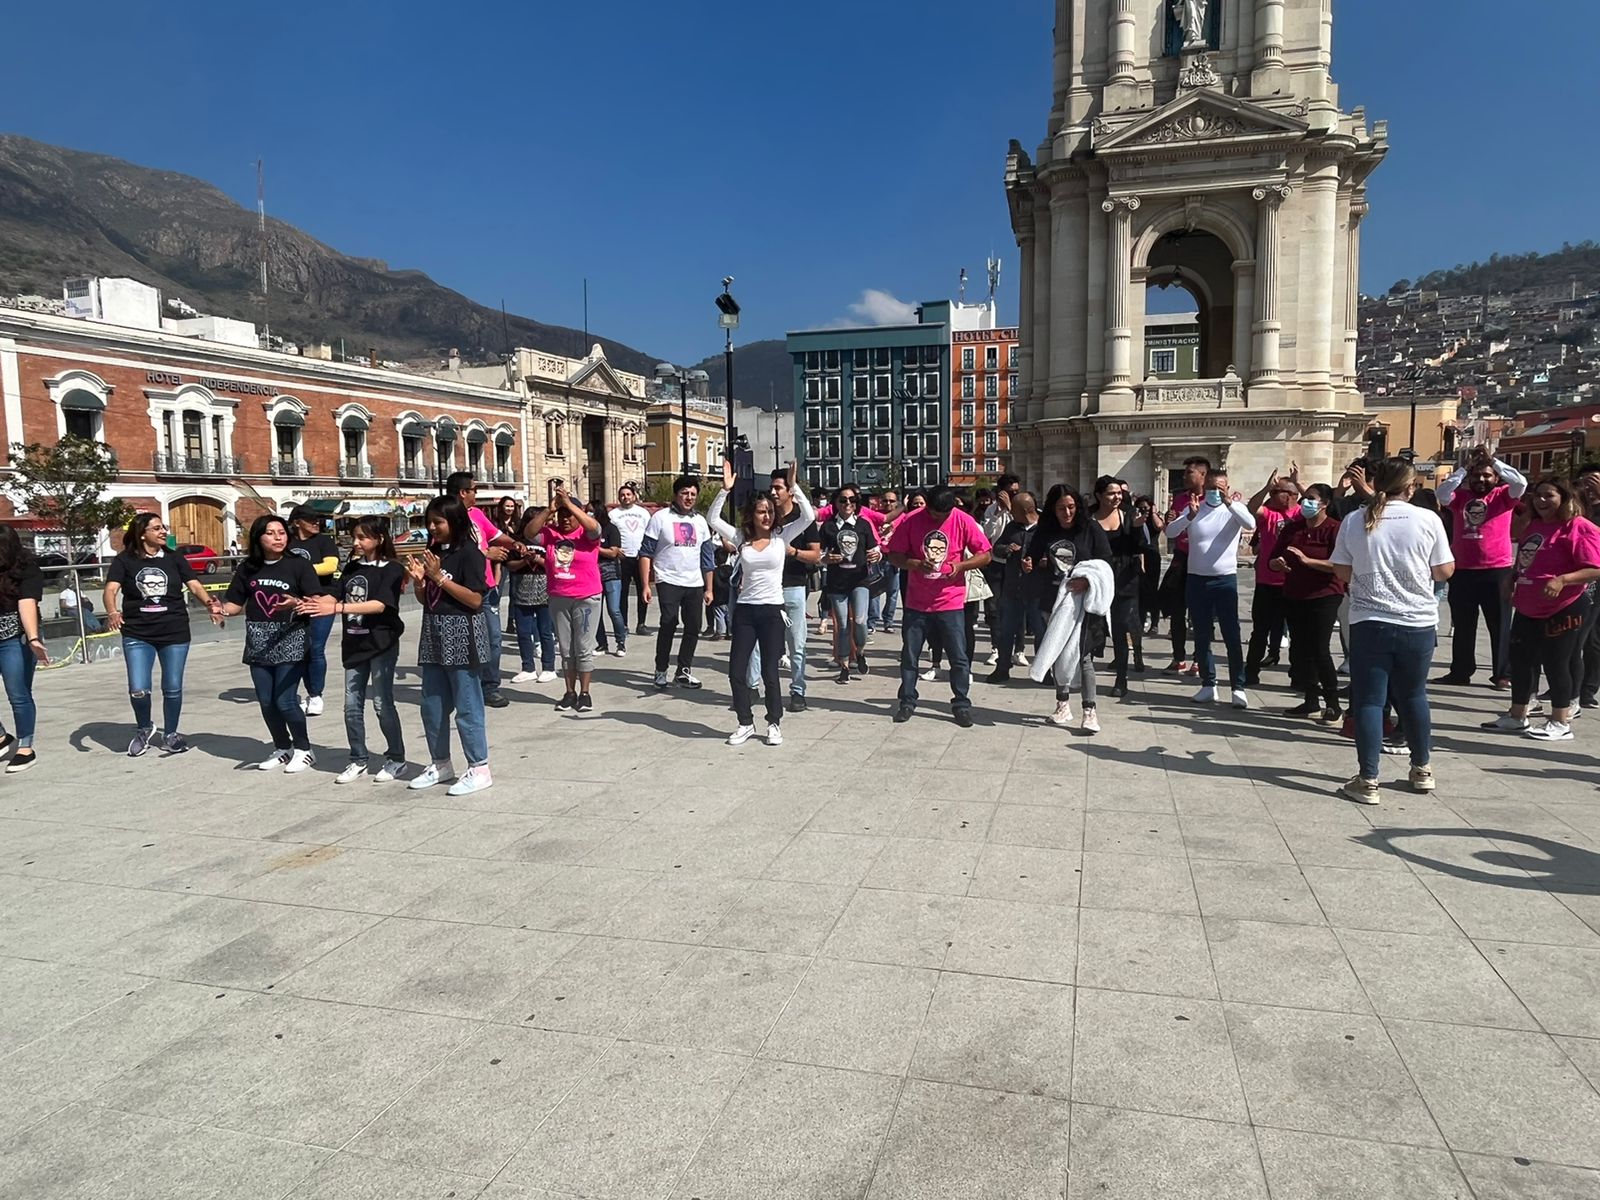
(454, 513)
(505, 523)
(747, 518)
(133, 535)
(1050, 530)
(376, 527)
(254, 556)
(14, 558)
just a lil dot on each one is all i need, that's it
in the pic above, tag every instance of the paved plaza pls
(894, 962)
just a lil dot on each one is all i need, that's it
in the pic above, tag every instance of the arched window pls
(477, 440)
(354, 421)
(444, 443)
(80, 398)
(504, 444)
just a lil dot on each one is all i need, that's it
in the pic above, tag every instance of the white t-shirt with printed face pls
(1391, 568)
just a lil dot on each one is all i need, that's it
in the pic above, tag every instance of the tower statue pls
(1191, 15)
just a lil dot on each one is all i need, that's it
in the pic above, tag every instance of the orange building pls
(983, 380)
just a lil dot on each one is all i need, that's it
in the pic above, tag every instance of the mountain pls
(762, 371)
(1505, 273)
(66, 212)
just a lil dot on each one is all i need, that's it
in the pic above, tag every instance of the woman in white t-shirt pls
(758, 612)
(1391, 552)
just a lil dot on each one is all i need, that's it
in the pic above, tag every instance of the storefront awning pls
(380, 508)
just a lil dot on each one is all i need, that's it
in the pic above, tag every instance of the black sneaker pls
(797, 703)
(143, 739)
(21, 761)
(861, 664)
(177, 744)
(661, 679)
(1331, 716)
(640, 628)
(903, 714)
(7, 743)
(496, 700)
(684, 679)
(964, 717)
(585, 702)
(1308, 709)
(1454, 680)
(567, 703)
(843, 676)
(998, 675)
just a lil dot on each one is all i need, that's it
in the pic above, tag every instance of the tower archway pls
(1201, 263)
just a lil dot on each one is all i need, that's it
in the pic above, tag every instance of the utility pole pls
(261, 214)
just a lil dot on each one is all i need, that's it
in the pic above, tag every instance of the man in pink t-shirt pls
(1481, 513)
(1272, 505)
(936, 547)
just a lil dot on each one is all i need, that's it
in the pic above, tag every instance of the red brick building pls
(983, 380)
(211, 435)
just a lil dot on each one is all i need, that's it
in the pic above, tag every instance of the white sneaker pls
(993, 660)
(929, 675)
(277, 762)
(783, 663)
(1506, 723)
(313, 706)
(429, 775)
(1552, 731)
(1019, 659)
(473, 779)
(774, 736)
(1535, 708)
(620, 652)
(300, 760)
(391, 771)
(525, 677)
(351, 773)
(1063, 714)
(1206, 695)
(1240, 698)
(741, 735)
(545, 677)
(1091, 721)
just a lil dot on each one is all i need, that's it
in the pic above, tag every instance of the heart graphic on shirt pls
(431, 592)
(271, 602)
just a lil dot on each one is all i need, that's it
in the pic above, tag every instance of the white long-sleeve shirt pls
(760, 571)
(1213, 536)
(1509, 475)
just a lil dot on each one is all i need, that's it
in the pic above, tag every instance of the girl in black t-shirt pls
(144, 599)
(369, 604)
(21, 650)
(267, 588)
(450, 578)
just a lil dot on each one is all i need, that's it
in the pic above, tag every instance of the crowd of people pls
(1361, 564)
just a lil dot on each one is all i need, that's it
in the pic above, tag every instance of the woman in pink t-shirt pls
(571, 538)
(1557, 557)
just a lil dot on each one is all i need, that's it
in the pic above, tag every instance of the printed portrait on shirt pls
(849, 543)
(683, 534)
(152, 583)
(564, 553)
(935, 550)
(1063, 556)
(1528, 551)
(1475, 514)
(356, 592)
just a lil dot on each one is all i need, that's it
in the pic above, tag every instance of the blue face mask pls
(1214, 497)
(1310, 508)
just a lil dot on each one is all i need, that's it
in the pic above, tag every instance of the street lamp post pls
(666, 373)
(728, 318)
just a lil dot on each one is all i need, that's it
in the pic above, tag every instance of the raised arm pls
(1242, 516)
(718, 522)
(1512, 478)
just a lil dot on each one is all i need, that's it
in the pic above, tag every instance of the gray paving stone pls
(1559, 984)
(1054, 828)
(292, 938)
(906, 928)
(1509, 914)
(794, 1132)
(366, 968)
(1518, 1179)
(1387, 902)
(596, 988)
(835, 858)
(954, 1143)
(1236, 839)
(720, 999)
(1010, 1034)
(1308, 1166)
(1298, 966)
(353, 1177)
(577, 900)
(1156, 1053)
(1133, 833)
(862, 1016)
(914, 864)
(1138, 881)
(1122, 1155)
(1144, 952)
(1432, 979)
(1015, 939)
(673, 908)
(1255, 891)
(791, 918)
(477, 973)
(1332, 1073)
(1031, 873)
(37, 998)
(632, 1125)
(1503, 1092)
(1585, 1054)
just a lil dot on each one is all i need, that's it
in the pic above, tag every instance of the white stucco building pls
(1199, 143)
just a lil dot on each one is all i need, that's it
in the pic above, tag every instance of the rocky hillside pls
(65, 212)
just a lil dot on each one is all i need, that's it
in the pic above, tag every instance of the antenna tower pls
(961, 290)
(994, 276)
(261, 216)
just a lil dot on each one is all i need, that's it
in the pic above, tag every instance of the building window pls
(831, 476)
(1011, 385)
(991, 386)
(930, 384)
(1163, 362)
(968, 414)
(930, 356)
(860, 445)
(991, 358)
(830, 388)
(880, 445)
(832, 417)
(966, 442)
(910, 418)
(813, 419)
(861, 418)
(505, 472)
(880, 358)
(911, 388)
(355, 444)
(813, 449)
(287, 441)
(991, 413)
(991, 465)
(831, 446)
(411, 454)
(969, 387)
(1194, 363)
(930, 416)
(991, 442)
(858, 359)
(930, 445)
(968, 358)
(694, 448)
(813, 390)
(830, 360)
(82, 423)
(860, 387)
(882, 417)
(1011, 357)
(881, 387)
(475, 456)
(908, 445)
(813, 361)
(966, 466)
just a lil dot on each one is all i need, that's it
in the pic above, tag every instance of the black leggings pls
(1126, 623)
(632, 581)
(1311, 669)
(1175, 602)
(678, 603)
(1266, 627)
(1591, 658)
(757, 624)
(1548, 642)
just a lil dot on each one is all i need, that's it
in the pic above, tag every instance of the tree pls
(67, 482)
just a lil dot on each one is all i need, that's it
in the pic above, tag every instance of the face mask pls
(1310, 507)
(1213, 498)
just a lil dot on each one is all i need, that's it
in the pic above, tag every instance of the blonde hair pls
(1392, 477)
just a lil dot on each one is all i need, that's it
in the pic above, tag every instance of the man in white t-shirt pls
(630, 517)
(1391, 553)
(1214, 522)
(676, 558)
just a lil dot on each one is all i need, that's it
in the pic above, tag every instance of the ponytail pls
(1390, 478)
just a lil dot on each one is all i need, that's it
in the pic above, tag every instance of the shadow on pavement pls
(1551, 867)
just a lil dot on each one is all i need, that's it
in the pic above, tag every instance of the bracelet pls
(33, 641)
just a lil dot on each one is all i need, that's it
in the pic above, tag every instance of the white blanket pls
(1059, 649)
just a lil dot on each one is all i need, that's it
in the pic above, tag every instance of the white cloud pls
(878, 307)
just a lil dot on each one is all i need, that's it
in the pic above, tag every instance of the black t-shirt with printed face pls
(152, 596)
(850, 541)
(465, 565)
(367, 635)
(315, 549)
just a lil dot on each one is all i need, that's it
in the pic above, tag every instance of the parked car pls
(54, 558)
(202, 559)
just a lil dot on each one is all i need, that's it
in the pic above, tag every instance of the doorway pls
(198, 521)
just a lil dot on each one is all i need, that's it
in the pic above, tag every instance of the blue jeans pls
(1390, 663)
(490, 672)
(141, 658)
(277, 689)
(531, 619)
(951, 626)
(16, 666)
(453, 689)
(317, 665)
(849, 622)
(1213, 601)
(376, 676)
(611, 589)
(880, 611)
(794, 610)
(1020, 618)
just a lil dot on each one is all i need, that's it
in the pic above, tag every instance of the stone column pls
(1068, 288)
(1043, 351)
(1019, 403)
(1269, 77)
(1318, 269)
(1352, 291)
(1122, 87)
(1095, 312)
(1062, 64)
(1264, 357)
(1119, 264)
(1244, 300)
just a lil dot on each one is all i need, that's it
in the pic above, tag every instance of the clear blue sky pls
(813, 151)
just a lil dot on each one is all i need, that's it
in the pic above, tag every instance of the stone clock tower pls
(1199, 144)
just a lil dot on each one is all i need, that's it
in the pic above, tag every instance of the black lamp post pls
(728, 318)
(666, 373)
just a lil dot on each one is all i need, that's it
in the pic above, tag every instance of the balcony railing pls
(354, 468)
(503, 476)
(1227, 392)
(417, 472)
(182, 464)
(291, 468)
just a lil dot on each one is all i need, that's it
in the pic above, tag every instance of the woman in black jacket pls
(1126, 543)
(1065, 536)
